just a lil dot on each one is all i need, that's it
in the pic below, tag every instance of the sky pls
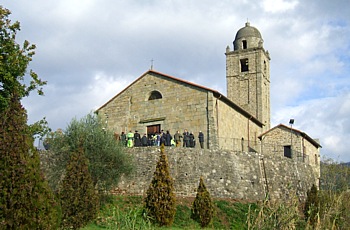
(88, 51)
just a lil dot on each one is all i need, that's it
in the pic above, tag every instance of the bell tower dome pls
(248, 74)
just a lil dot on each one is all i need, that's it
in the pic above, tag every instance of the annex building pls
(239, 121)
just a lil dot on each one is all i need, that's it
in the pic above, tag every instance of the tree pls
(107, 160)
(78, 198)
(312, 203)
(202, 208)
(26, 201)
(14, 61)
(160, 197)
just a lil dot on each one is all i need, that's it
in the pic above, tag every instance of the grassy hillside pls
(125, 212)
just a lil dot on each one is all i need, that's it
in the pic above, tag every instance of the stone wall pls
(237, 175)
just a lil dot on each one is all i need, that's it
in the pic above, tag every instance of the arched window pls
(155, 95)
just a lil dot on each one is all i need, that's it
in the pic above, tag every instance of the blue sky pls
(90, 50)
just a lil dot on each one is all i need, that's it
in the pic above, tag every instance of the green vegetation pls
(311, 207)
(26, 200)
(107, 160)
(79, 201)
(14, 60)
(160, 197)
(202, 208)
(126, 212)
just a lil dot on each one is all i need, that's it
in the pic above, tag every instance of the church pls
(239, 121)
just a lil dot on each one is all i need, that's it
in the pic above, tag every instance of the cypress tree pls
(160, 197)
(311, 207)
(79, 200)
(202, 208)
(26, 201)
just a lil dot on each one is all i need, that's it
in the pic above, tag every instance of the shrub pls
(202, 208)
(160, 196)
(78, 198)
(311, 207)
(26, 201)
(107, 160)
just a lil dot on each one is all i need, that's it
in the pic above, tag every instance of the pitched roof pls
(216, 93)
(307, 137)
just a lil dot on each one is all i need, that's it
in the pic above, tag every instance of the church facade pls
(239, 121)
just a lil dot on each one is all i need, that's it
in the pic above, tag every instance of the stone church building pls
(239, 121)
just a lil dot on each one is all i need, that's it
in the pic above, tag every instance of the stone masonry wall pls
(237, 175)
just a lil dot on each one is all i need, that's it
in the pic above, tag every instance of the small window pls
(155, 95)
(244, 44)
(244, 65)
(288, 151)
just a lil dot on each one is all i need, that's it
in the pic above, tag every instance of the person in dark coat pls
(186, 138)
(168, 138)
(201, 139)
(144, 140)
(163, 139)
(192, 140)
(137, 139)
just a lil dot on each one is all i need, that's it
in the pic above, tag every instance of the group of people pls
(135, 140)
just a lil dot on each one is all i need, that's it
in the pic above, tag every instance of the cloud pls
(326, 119)
(278, 6)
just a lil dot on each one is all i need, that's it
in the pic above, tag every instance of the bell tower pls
(248, 74)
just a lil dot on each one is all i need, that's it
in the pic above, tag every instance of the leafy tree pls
(14, 61)
(78, 198)
(160, 196)
(312, 203)
(335, 176)
(107, 160)
(202, 208)
(26, 201)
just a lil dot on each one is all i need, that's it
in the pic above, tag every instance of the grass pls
(126, 212)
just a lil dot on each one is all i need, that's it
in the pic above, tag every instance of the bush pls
(107, 160)
(160, 196)
(78, 198)
(202, 208)
(311, 207)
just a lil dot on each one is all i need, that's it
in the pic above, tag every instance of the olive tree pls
(107, 159)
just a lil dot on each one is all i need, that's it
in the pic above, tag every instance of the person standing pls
(186, 138)
(168, 138)
(191, 140)
(137, 139)
(123, 139)
(144, 140)
(130, 137)
(201, 139)
(177, 138)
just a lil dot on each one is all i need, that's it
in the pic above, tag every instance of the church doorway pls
(153, 129)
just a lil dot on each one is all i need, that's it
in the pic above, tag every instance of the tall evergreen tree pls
(78, 197)
(202, 208)
(312, 203)
(26, 201)
(160, 197)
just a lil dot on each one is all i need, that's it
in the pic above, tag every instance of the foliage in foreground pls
(202, 208)
(78, 198)
(107, 160)
(311, 207)
(160, 197)
(26, 200)
(14, 60)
